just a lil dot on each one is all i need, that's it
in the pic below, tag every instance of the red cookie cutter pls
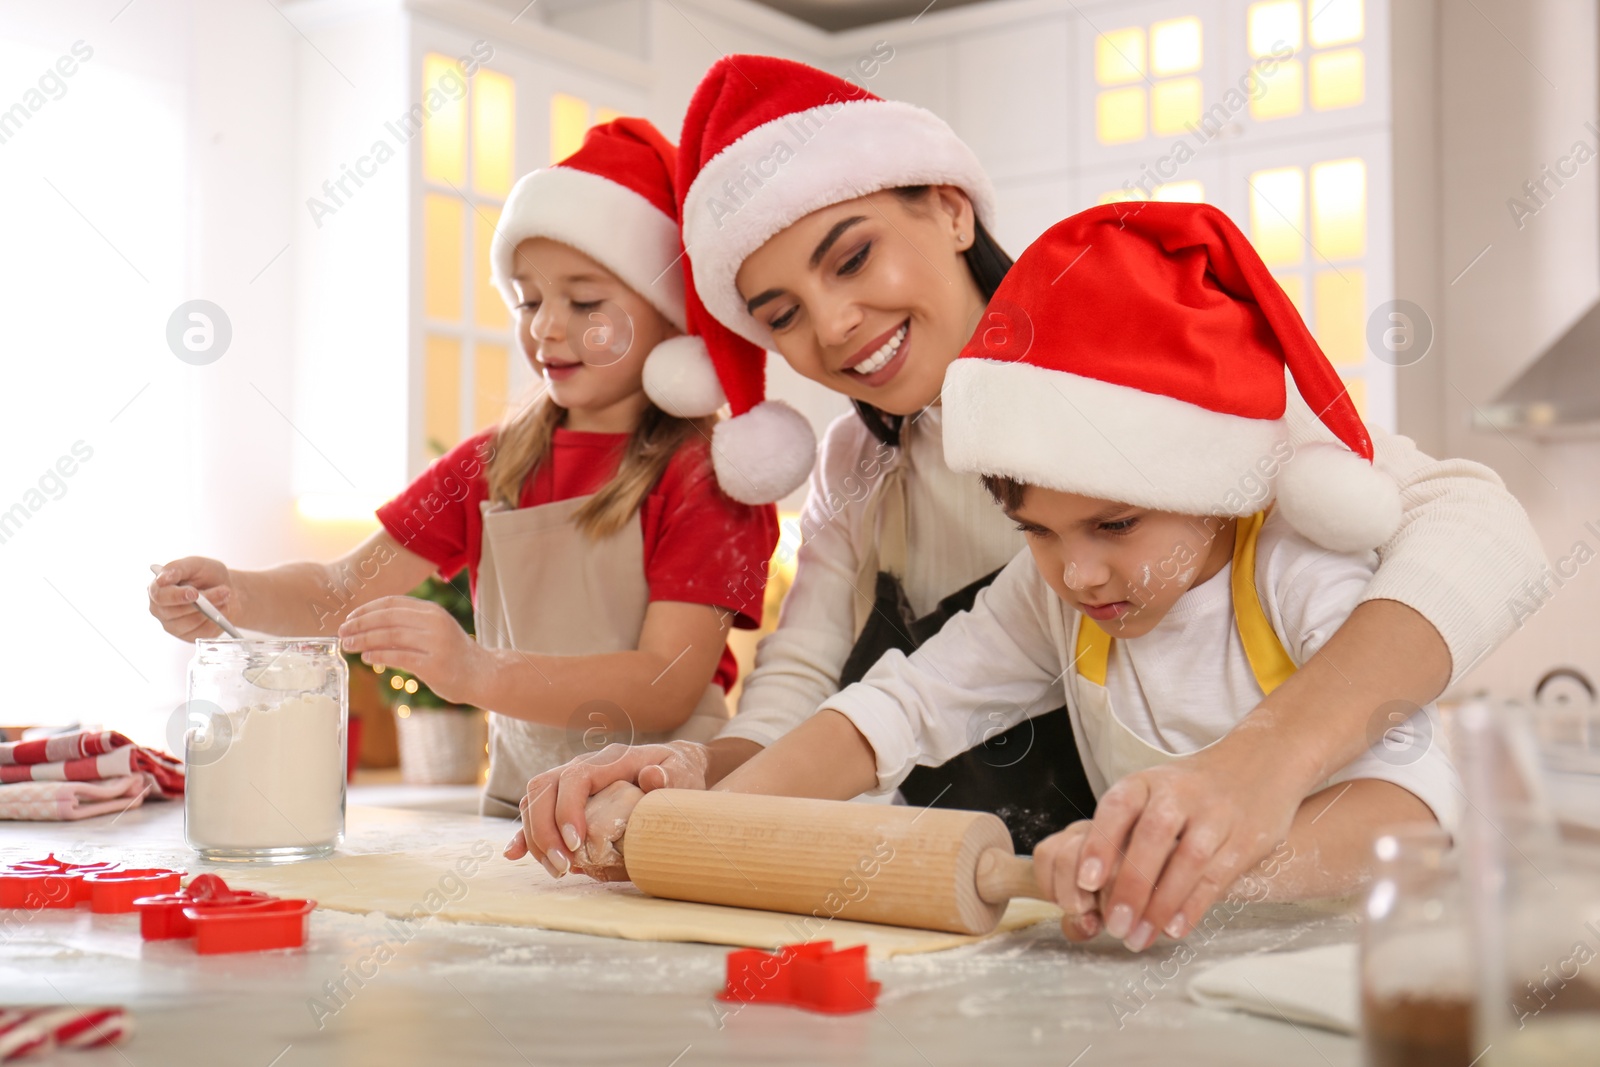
(256, 927)
(113, 892)
(811, 976)
(47, 883)
(162, 917)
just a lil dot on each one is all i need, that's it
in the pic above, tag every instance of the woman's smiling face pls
(870, 297)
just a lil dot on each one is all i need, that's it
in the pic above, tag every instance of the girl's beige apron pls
(545, 587)
(1114, 750)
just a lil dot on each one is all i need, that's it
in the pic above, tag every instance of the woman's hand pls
(174, 591)
(1166, 843)
(554, 815)
(1055, 868)
(420, 638)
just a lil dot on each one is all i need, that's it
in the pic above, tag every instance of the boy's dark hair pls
(1007, 492)
(988, 263)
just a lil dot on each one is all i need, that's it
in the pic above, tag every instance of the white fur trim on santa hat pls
(1080, 435)
(680, 379)
(784, 170)
(765, 454)
(1337, 499)
(608, 222)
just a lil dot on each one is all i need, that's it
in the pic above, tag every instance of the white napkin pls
(1318, 986)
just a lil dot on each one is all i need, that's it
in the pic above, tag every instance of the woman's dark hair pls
(988, 263)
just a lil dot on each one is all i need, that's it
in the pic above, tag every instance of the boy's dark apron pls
(1030, 775)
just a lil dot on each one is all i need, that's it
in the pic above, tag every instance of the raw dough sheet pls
(473, 883)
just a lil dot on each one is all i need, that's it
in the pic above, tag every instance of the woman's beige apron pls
(1114, 750)
(545, 587)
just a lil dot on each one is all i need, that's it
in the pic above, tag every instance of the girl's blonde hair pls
(524, 437)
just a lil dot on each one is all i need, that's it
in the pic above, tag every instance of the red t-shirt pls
(700, 546)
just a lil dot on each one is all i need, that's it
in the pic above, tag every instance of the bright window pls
(1167, 56)
(1337, 78)
(1278, 214)
(469, 165)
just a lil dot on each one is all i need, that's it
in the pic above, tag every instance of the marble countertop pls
(470, 994)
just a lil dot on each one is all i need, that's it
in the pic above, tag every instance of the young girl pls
(605, 563)
(851, 235)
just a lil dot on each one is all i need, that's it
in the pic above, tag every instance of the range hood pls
(1559, 394)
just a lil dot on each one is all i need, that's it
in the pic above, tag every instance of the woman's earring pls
(961, 238)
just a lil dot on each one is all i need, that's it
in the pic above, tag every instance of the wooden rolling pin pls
(932, 868)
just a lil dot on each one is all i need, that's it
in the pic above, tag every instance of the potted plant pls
(440, 743)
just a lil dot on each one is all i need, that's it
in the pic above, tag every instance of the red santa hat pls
(1137, 353)
(766, 142)
(612, 200)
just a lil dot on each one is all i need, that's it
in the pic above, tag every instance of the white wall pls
(1510, 105)
(158, 176)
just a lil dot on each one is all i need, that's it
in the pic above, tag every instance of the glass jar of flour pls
(265, 748)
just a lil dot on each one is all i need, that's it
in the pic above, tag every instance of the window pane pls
(493, 133)
(1119, 56)
(1273, 23)
(1278, 214)
(1284, 94)
(444, 132)
(489, 308)
(1336, 22)
(1342, 314)
(441, 394)
(491, 366)
(1357, 388)
(1191, 192)
(1119, 115)
(1175, 46)
(1338, 79)
(1121, 196)
(1175, 105)
(1339, 208)
(569, 121)
(443, 256)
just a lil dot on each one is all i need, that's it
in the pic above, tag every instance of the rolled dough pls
(473, 883)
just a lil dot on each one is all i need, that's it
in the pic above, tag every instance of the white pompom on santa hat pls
(1143, 360)
(766, 142)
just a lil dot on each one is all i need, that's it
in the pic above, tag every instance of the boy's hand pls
(555, 807)
(1168, 842)
(174, 591)
(1055, 868)
(421, 638)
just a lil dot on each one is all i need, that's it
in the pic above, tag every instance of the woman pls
(850, 235)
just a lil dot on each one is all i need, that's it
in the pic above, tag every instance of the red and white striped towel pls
(32, 1031)
(89, 756)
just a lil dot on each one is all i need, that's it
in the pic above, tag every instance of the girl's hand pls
(554, 810)
(174, 591)
(1169, 841)
(421, 638)
(1055, 868)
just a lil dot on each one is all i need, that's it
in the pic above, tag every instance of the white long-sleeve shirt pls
(1462, 554)
(1179, 688)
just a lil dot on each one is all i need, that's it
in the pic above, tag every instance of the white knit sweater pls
(1463, 551)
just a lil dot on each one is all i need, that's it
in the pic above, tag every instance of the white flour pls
(278, 782)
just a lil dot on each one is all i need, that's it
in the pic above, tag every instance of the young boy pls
(1124, 402)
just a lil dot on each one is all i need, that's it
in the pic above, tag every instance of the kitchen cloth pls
(65, 801)
(82, 774)
(1315, 985)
